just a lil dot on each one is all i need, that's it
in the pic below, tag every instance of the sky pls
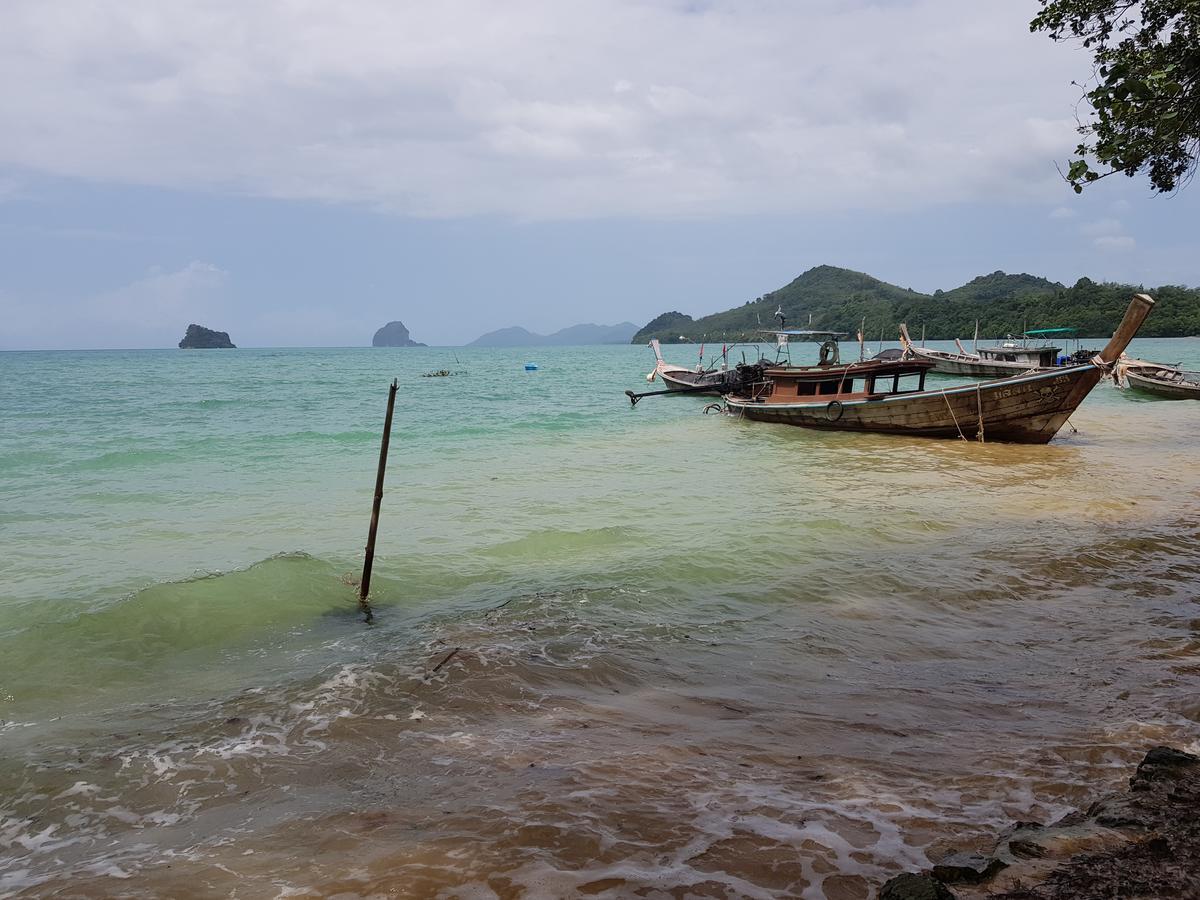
(298, 173)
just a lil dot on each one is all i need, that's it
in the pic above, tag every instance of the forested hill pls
(839, 300)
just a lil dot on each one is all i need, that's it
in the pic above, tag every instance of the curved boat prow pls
(1139, 307)
(659, 363)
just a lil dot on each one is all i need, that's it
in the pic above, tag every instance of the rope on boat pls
(979, 400)
(952, 416)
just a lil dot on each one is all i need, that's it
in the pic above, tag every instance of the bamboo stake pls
(365, 588)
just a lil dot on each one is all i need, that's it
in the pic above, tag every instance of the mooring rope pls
(952, 415)
(979, 400)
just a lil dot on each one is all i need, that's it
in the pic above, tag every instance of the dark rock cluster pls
(1143, 842)
(200, 338)
(394, 334)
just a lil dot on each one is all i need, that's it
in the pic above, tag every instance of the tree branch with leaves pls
(1145, 91)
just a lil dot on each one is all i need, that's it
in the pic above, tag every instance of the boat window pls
(829, 387)
(911, 382)
(806, 388)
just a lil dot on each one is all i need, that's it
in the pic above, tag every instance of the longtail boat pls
(722, 378)
(890, 396)
(1169, 382)
(1009, 358)
(700, 380)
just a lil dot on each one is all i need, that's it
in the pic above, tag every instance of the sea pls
(611, 651)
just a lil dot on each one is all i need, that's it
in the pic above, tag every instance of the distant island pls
(394, 334)
(837, 299)
(575, 335)
(200, 338)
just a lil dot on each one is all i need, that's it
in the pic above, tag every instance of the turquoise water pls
(855, 644)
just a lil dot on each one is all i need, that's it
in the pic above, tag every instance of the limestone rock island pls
(394, 334)
(200, 338)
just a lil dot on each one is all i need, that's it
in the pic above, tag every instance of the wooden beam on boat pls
(1135, 315)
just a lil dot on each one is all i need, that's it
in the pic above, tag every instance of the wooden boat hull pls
(959, 364)
(1026, 409)
(685, 378)
(1166, 390)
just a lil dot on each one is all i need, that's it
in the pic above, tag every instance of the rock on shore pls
(200, 338)
(394, 334)
(1139, 843)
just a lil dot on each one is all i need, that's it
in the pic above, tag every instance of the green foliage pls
(668, 328)
(840, 300)
(1146, 90)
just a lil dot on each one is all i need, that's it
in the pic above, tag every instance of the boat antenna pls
(975, 345)
(922, 334)
(862, 347)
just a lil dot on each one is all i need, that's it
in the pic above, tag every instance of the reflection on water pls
(680, 655)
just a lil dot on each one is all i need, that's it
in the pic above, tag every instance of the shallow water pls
(680, 655)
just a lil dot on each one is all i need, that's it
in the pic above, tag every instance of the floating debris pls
(441, 373)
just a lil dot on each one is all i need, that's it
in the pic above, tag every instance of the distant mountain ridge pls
(516, 336)
(835, 299)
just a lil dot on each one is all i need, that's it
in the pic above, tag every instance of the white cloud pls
(1108, 235)
(1062, 212)
(537, 108)
(1118, 242)
(1106, 226)
(159, 299)
(152, 311)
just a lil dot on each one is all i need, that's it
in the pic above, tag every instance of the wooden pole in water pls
(365, 588)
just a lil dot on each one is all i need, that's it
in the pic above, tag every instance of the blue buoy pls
(531, 367)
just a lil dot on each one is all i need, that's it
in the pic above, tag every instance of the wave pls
(554, 542)
(120, 459)
(168, 629)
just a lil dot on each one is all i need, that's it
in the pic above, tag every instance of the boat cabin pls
(1010, 351)
(867, 380)
(1035, 348)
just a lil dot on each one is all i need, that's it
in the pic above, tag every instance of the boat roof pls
(851, 369)
(1014, 350)
(803, 332)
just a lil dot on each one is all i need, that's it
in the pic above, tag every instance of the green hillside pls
(839, 300)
